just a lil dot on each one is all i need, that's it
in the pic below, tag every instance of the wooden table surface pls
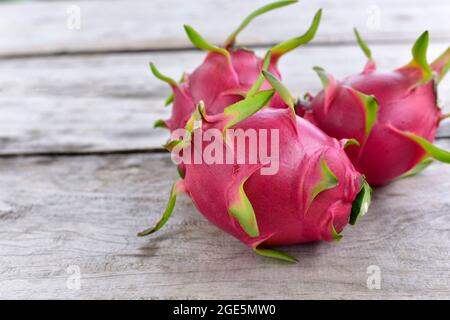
(82, 170)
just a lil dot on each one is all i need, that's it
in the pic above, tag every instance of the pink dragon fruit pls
(391, 116)
(312, 196)
(226, 74)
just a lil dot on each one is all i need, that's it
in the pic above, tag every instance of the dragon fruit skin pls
(217, 92)
(280, 201)
(315, 193)
(393, 116)
(226, 74)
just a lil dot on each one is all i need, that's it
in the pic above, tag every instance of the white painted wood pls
(109, 102)
(41, 27)
(85, 211)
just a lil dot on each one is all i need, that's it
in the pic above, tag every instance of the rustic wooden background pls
(81, 169)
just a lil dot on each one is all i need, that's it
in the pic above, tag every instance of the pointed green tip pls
(275, 254)
(160, 76)
(419, 53)
(146, 232)
(286, 46)
(171, 144)
(351, 142)
(422, 165)
(444, 116)
(330, 87)
(242, 210)
(169, 100)
(181, 172)
(202, 109)
(370, 105)
(364, 47)
(441, 65)
(429, 148)
(269, 7)
(421, 43)
(195, 121)
(171, 97)
(245, 108)
(336, 235)
(198, 41)
(176, 188)
(328, 181)
(327, 174)
(160, 124)
(361, 203)
(323, 75)
(279, 87)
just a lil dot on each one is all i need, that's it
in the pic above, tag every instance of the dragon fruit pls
(226, 74)
(392, 117)
(313, 195)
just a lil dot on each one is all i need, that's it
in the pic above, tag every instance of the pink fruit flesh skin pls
(218, 84)
(280, 200)
(404, 105)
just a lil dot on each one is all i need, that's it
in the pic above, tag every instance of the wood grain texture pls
(85, 211)
(109, 102)
(41, 27)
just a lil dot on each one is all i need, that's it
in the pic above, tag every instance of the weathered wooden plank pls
(43, 27)
(57, 212)
(109, 102)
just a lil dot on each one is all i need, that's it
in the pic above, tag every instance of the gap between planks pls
(41, 27)
(181, 49)
(107, 152)
(83, 153)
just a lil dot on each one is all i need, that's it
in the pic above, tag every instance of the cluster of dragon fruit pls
(364, 131)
